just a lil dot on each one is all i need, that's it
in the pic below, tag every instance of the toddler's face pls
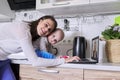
(55, 37)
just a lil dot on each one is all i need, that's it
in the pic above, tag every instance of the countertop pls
(21, 59)
(98, 66)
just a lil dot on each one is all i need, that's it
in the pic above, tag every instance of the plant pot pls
(113, 51)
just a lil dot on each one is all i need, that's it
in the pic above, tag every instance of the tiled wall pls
(87, 26)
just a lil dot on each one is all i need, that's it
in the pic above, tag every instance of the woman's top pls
(42, 44)
(15, 37)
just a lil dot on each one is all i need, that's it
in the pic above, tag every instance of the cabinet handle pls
(48, 71)
(57, 4)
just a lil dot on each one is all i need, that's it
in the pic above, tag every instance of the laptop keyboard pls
(84, 59)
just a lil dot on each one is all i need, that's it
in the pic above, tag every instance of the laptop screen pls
(95, 48)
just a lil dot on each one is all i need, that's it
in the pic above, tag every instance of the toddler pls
(43, 45)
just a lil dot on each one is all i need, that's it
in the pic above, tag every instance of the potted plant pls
(112, 32)
(112, 37)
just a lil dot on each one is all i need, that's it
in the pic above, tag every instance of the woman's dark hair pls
(33, 26)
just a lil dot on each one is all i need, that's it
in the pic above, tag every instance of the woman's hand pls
(70, 59)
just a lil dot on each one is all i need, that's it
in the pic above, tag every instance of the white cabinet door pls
(105, 6)
(59, 3)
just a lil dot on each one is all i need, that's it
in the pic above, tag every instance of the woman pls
(18, 36)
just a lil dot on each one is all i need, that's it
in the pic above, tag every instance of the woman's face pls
(45, 27)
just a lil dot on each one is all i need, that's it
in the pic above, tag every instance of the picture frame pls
(95, 48)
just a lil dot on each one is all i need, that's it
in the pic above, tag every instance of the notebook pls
(94, 55)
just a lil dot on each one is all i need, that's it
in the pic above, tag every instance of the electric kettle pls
(79, 46)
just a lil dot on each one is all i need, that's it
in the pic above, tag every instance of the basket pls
(113, 51)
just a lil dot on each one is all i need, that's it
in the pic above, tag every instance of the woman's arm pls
(28, 49)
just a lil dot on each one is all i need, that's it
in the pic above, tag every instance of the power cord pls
(67, 52)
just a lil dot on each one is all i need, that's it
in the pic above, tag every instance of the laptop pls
(94, 55)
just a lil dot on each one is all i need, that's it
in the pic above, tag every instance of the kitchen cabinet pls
(102, 1)
(27, 72)
(101, 75)
(78, 7)
(104, 6)
(5, 12)
(59, 7)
